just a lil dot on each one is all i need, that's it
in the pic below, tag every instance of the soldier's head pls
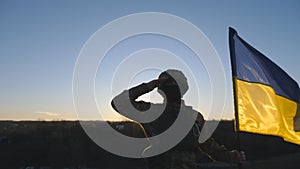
(174, 85)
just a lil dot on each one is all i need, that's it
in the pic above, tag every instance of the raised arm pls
(125, 101)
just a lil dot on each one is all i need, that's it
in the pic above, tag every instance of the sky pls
(40, 42)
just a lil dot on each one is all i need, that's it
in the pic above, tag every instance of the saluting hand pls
(156, 82)
(153, 84)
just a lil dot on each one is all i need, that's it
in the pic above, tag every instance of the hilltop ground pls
(65, 145)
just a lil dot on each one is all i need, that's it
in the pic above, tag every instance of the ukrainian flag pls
(266, 98)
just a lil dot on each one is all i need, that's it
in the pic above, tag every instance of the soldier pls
(182, 156)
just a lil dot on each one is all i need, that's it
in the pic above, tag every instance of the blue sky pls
(41, 40)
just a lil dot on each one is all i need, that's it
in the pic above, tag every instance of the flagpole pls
(232, 32)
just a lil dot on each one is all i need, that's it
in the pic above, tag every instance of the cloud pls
(47, 113)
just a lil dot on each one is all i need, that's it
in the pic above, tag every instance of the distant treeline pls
(65, 144)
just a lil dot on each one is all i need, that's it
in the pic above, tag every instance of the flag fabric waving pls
(266, 98)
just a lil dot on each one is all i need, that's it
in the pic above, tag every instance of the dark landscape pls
(64, 144)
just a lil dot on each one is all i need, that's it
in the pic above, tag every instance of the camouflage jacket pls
(190, 143)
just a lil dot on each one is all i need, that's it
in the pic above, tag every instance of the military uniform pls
(182, 156)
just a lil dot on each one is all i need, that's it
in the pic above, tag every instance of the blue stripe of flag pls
(253, 66)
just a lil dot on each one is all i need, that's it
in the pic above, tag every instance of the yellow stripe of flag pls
(267, 99)
(259, 111)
